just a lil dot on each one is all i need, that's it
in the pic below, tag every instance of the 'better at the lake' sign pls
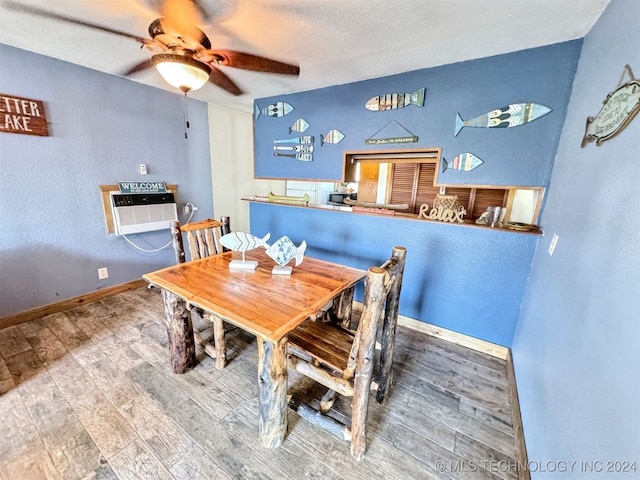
(22, 115)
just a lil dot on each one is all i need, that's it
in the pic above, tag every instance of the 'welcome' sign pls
(22, 115)
(142, 187)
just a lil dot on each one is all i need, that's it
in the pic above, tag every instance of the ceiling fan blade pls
(223, 81)
(248, 61)
(139, 67)
(64, 18)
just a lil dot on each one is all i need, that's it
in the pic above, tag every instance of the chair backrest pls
(203, 238)
(381, 296)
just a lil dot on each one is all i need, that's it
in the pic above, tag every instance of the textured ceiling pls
(333, 41)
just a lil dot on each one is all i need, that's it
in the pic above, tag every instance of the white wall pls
(231, 141)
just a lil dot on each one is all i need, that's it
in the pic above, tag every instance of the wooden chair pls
(203, 239)
(343, 360)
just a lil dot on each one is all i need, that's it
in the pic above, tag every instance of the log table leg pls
(272, 395)
(180, 330)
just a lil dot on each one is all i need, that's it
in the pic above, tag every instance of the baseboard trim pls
(518, 431)
(32, 314)
(457, 338)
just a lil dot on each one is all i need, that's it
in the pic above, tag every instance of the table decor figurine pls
(282, 252)
(241, 242)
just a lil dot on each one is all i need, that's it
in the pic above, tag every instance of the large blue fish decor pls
(283, 251)
(278, 109)
(391, 101)
(510, 116)
(242, 242)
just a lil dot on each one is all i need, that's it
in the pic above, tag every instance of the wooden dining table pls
(266, 305)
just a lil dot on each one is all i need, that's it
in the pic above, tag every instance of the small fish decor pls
(332, 136)
(241, 242)
(392, 101)
(278, 109)
(282, 252)
(464, 162)
(300, 148)
(510, 116)
(618, 109)
(299, 126)
(445, 208)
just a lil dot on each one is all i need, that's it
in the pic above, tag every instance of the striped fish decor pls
(512, 115)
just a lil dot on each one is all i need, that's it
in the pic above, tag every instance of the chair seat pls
(324, 342)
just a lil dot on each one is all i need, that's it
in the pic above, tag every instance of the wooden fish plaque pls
(22, 115)
(620, 107)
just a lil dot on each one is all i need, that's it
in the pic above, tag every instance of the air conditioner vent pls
(142, 212)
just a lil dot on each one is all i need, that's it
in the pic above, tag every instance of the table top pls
(267, 305)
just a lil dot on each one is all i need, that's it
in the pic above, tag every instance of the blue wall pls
(576, 350)
(466, 279)
(52, 231)
(514, 156)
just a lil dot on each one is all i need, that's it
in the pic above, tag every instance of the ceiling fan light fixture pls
(180, 71)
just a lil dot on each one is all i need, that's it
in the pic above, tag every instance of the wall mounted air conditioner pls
(142, 212)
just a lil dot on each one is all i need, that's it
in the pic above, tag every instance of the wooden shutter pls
(402, 184)
(426, 192)
(487, 197)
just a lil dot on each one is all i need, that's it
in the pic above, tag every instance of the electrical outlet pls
(186, 209)
(143, 169)
(552, 245)
(103, 273)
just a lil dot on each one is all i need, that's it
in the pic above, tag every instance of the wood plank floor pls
(88, 394)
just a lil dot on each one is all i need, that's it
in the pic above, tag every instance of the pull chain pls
(185, 115)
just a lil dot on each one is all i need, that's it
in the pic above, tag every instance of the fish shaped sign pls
(278, 109)
(510, 116)
(463, 162)
(332, 136)
(392, 101)
(242, 242)
(300, 125)
(283, 251)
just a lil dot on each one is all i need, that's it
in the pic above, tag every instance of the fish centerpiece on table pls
(391, 101)
(242, 242)
(283, 250)
(510, 116)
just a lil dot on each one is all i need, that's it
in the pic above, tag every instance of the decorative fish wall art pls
(332, 136)
(299, 126)
(392, 101)
(278, 109)
(510, 116)
(463, 162)
(300, 148)
(283, 251)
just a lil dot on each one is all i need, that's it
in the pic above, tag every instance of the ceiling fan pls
(182, 53)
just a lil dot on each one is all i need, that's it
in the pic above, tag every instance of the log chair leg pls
(220, 345)
(180, 330)
(272, 395)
